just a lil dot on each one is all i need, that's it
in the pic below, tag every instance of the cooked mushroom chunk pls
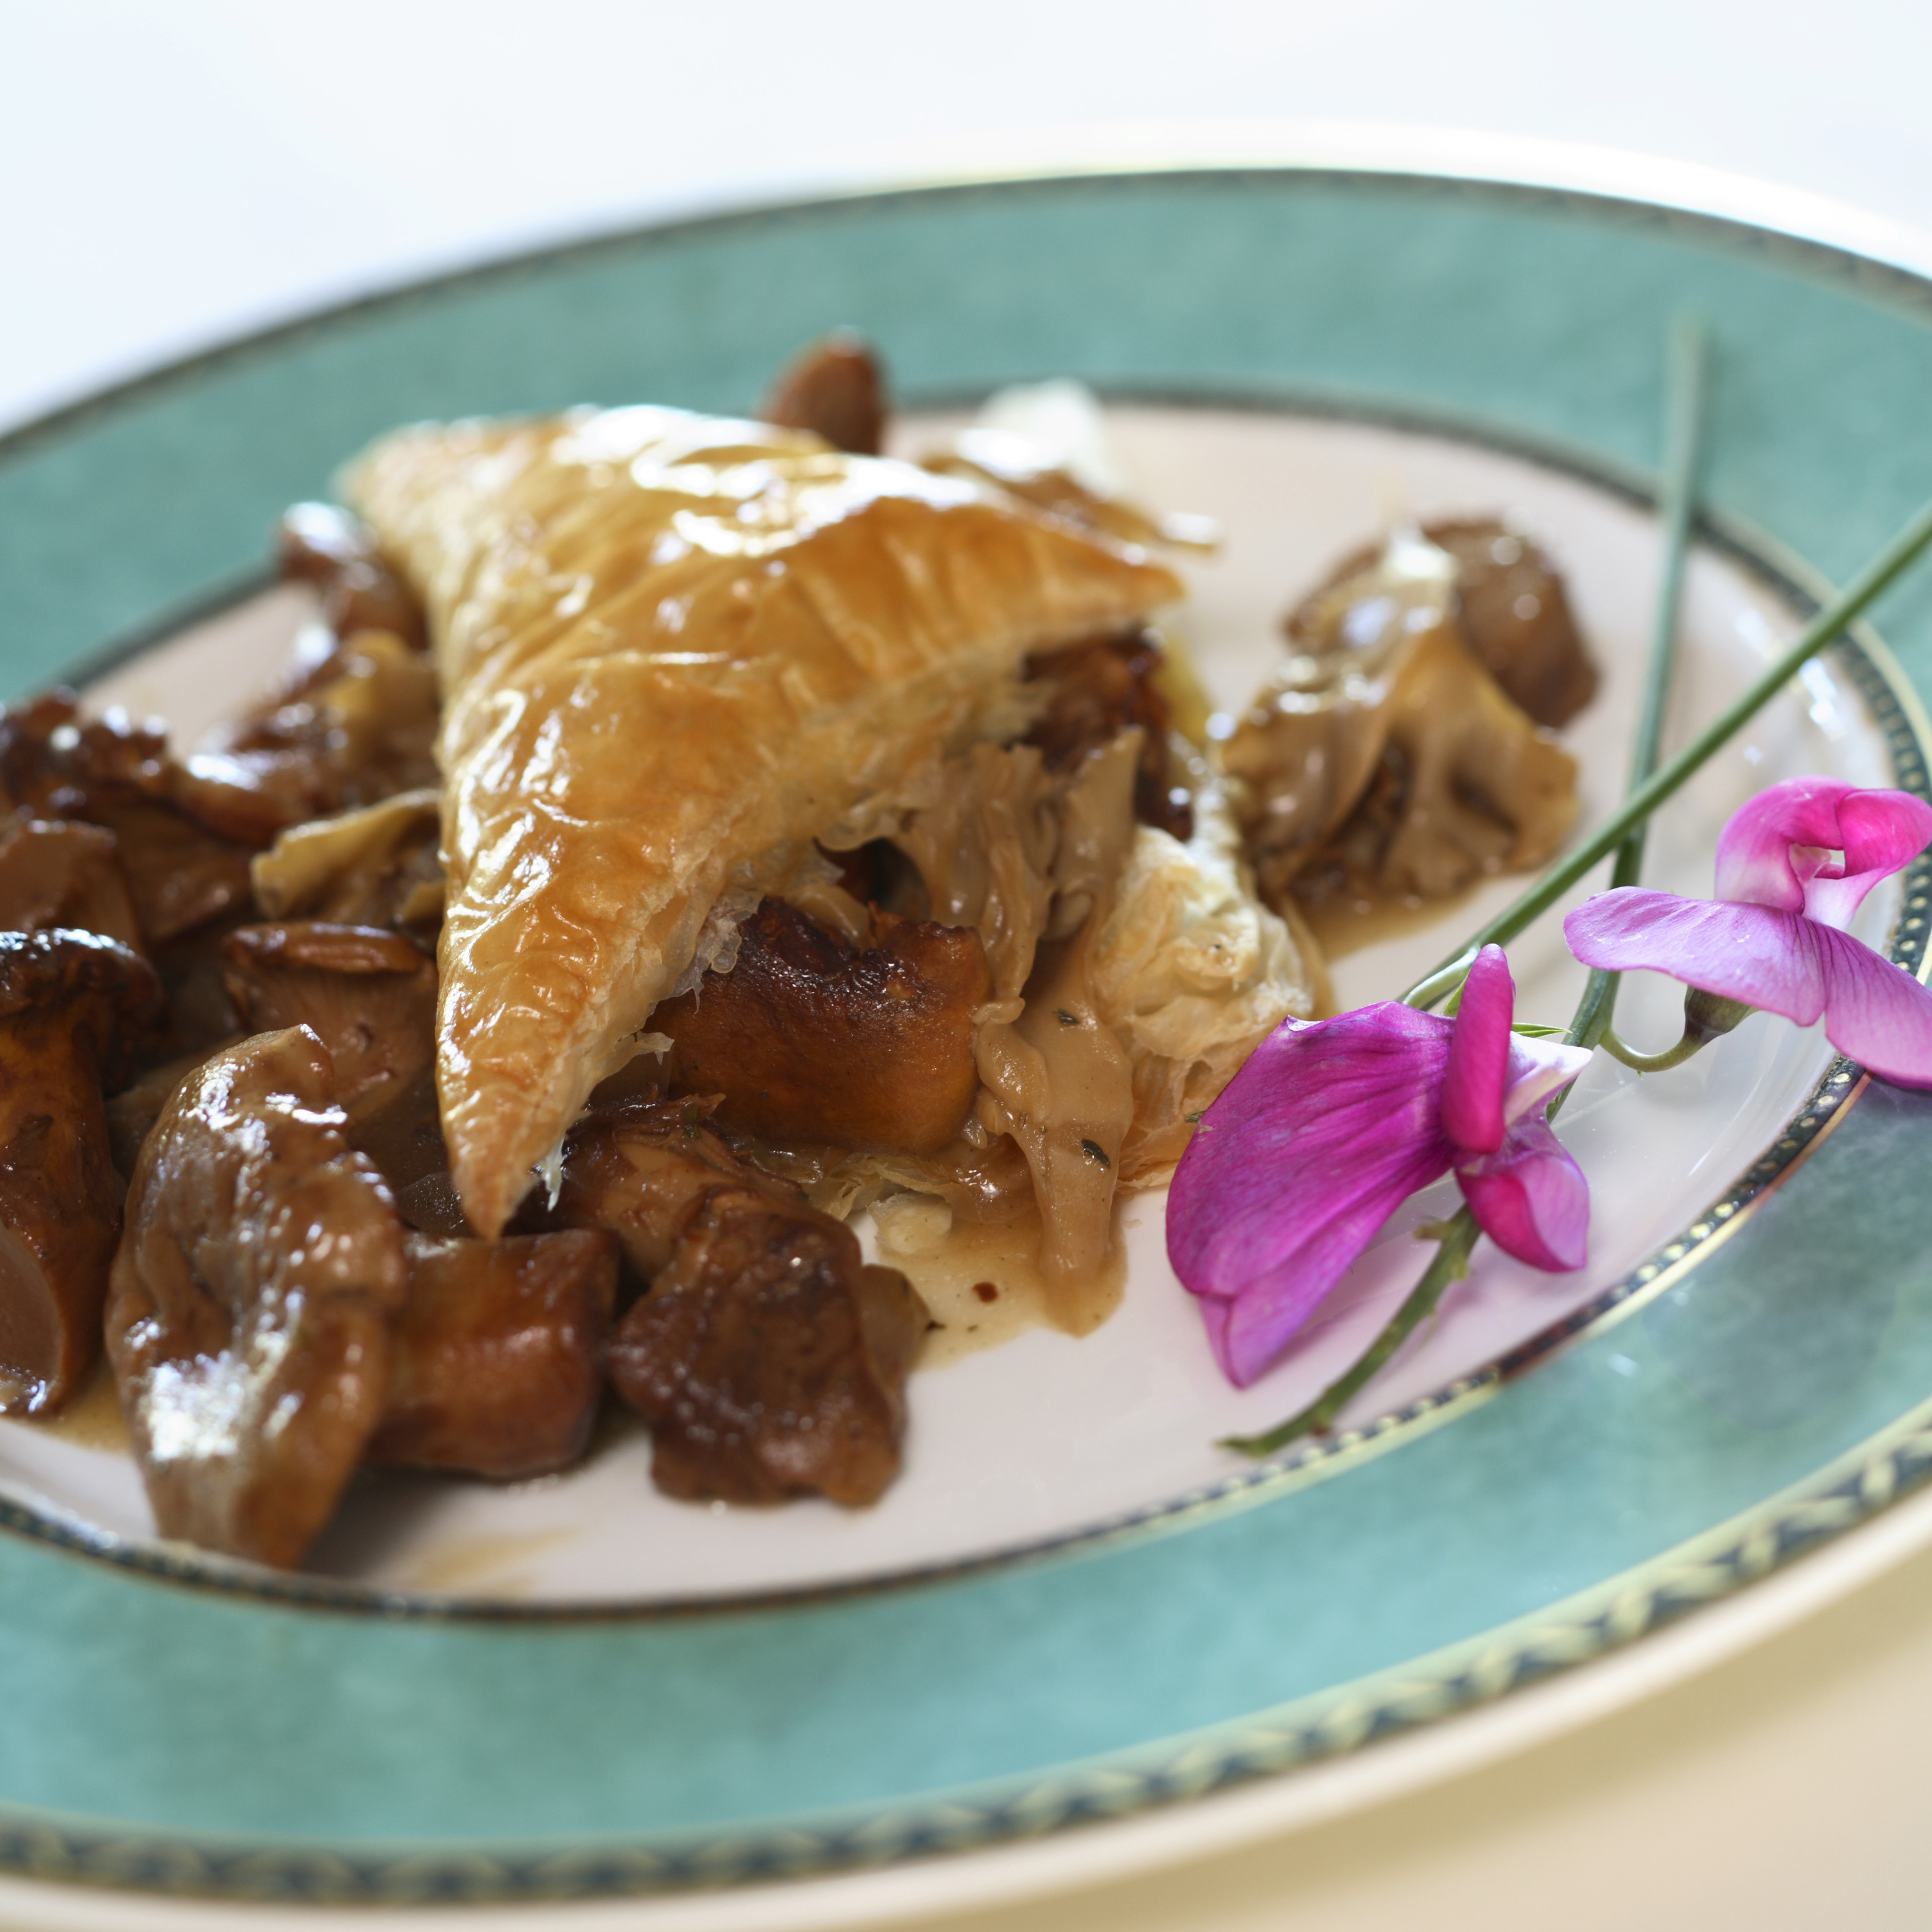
(68, 1001)
(1382, 762)
(252, 1297)
(318, 544)
(377, 865)
(1513, 609)
(769, 1361)
(368, 995)
(1097, 690)
(355, 728)
(54, 873)
(499, 1354)
(183, 840)
(639, 1171)
(837, 388)
(1510, 608)
(809, 1038)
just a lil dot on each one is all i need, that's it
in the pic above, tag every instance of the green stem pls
(1651, 1063)
(1451, 1265)
(1872, 582)
(1677, 508)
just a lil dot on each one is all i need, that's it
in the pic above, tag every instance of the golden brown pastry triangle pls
(674, 649)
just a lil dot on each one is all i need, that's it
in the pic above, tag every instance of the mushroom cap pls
(69, 1002)
(39, 970)
(250, 1314)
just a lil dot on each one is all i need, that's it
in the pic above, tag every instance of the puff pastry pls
(674, 649)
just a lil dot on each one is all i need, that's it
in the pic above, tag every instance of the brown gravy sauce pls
(499, 1562)
(954, 1263)
(91, 1419)
(1343, 926)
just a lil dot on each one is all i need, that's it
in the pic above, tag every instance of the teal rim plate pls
(1759, 1383)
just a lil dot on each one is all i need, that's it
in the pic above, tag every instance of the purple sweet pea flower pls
(1332, 1124)
(1793, 866)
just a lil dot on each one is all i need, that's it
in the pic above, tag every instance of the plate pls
(1047, 1442)
(1108, 1628)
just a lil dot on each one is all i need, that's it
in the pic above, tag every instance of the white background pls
(171, 174)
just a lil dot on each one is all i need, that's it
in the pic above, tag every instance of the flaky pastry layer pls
(674, 648)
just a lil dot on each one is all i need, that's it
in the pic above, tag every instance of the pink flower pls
(1793, 866)
(1333, 1124)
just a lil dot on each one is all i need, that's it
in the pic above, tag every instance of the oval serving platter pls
(1747, 1369)
(1046, 1443)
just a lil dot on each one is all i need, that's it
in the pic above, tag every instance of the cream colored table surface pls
(170, 175)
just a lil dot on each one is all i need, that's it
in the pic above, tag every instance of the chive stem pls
(1677, 507)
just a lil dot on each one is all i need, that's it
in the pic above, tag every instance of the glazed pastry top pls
(674, 651)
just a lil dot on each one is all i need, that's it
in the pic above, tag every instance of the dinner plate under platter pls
(1763, 1386)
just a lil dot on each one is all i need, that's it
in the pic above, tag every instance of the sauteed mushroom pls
(374, 866)
(183, 839)
(318, 544)
(253, 1295)
(837, 388)
(368, 995)
(53, 873)
(355, 727)
(1382, 760)
(1509, 608)
(808, 1038)
(68, 1002)
(770, 1361)
(499, 1354)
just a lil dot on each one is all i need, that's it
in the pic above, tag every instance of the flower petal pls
(1880, 832)
(1479, 1054)
(1877, 831)
(1753, 953)
(1875, 1012)
(1537, 1068)
(1324, 1132)
(1754, 849)
(1530, 1199)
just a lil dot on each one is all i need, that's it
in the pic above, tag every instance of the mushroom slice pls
(254, 1293)
(375, 866)
(68, 1000)
(808, 1038)
(54, 873)
(318, 544)
(1513, 610)
(499, 1354)
(768, 1360)
(837, 388)
(1510, 608)
(368, 994)
(352, 729)
(1097, 690)
(183, 840)
(639, 1171)
(1382, 761)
